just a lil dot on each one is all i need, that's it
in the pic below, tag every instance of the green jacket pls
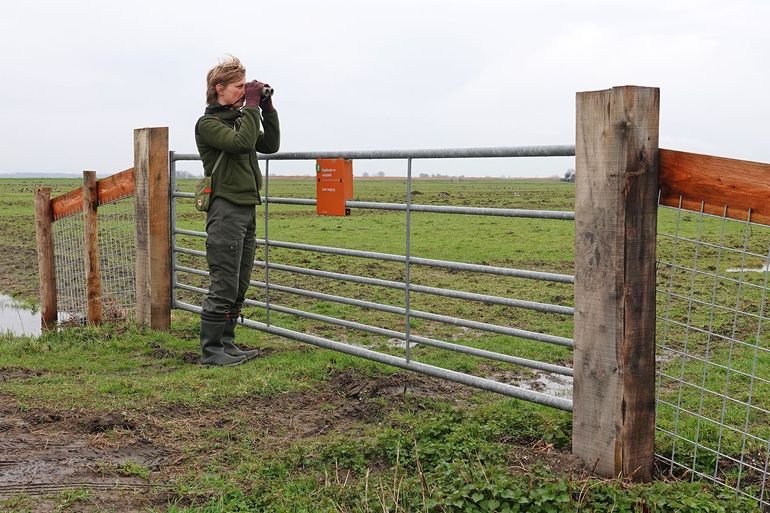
(237, 133)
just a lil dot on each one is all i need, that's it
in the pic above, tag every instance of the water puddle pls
(18, 319)
(551, 384)
(765, 268)
(397, 342)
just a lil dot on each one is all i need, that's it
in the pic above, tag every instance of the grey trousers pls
(230, 248)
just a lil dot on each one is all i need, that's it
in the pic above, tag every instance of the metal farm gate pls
(407, 361)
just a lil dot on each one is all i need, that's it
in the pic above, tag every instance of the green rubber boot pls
(228, 341)
(212, 348)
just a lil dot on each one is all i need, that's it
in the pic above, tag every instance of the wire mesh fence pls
(713, 350)
(117, 260)
(70, 268)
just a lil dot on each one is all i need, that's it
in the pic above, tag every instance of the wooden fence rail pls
(147, 181)
(728, 187)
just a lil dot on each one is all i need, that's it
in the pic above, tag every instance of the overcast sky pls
(357, 75)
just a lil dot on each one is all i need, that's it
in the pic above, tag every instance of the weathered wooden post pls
(45, 258)
(91, 248)
(153, 237)
(615, 227)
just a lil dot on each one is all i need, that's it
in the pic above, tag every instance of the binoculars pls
(267, 91)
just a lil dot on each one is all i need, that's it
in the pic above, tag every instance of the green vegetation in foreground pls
(439, 452)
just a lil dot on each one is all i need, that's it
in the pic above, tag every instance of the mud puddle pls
(46, 453)
(22, 321)
(18, 319)
(556, 385)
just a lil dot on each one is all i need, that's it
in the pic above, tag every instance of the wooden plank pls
(67, 204)
(112, 188)
(613, 418)
(153, 261)
(91, 249)
(116, 187)
(717, 182)
(45, 258)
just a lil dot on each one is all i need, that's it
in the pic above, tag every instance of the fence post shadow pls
(616, 154)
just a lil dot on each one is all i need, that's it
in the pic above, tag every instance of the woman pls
(228, 138)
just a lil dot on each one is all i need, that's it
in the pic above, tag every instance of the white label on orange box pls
(328, 189)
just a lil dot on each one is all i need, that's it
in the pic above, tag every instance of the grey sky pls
(81, 75)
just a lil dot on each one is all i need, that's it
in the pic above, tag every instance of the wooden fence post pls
(153, 237)
(45, 258)
(91, 248)
(616, 153)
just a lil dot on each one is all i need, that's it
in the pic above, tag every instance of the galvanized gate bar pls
(407, 261)
(557, 150)
(440, 344)
(457, 377)
(458, 294)
(483, 326)
(446, 264)
(478, 211)
(442, 209)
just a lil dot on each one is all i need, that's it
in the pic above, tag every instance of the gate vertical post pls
(45, 258)
(91, 248)
(153, 235)
(616, 153)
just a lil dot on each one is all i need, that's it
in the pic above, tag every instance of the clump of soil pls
(11, 373)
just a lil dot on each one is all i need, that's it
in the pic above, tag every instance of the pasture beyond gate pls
(669, 246)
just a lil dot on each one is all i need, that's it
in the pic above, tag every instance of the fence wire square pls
(117, 259)
(713, 350)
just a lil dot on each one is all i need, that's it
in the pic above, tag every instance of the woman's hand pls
(253, 93)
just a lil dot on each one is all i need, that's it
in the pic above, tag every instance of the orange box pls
(334, 186)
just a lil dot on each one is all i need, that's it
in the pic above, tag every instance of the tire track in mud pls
(41, 454)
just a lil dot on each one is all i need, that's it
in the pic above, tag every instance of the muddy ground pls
(47, 452)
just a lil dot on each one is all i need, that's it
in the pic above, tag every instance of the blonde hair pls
(226, 72)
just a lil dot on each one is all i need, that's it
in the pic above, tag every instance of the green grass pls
(443, 450)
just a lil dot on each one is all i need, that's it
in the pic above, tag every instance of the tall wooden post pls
(45, 258)
(613, 423)
(91, 248)
(153, 237)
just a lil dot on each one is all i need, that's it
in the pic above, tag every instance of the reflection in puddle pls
(18, 319)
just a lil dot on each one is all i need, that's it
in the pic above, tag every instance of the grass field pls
(116, 418)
